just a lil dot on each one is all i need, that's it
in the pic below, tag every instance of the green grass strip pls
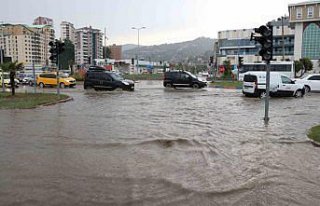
(314, 133)
(28, 100)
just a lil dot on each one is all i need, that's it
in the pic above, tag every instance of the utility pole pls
(283, 52)
(1, 58)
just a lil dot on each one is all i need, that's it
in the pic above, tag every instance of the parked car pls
(311, 82)
(254, 84)
(6, 80)
(28, 79)
(100, 79)
(50, 79)
(182, 79)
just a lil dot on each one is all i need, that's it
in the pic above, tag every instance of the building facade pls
(234, 43)
(305, 18)
(43, 21)
(27, 44)
(116, 52)
(88, 45)
(67, 31)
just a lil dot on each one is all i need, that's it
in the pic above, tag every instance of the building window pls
(310, 12)
(299, 13)
(311, 42)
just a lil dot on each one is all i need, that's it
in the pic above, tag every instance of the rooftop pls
(305, 3)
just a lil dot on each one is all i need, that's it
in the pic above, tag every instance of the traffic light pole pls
(58, 85)
(266, 114)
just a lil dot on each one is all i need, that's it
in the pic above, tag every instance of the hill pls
(195, 51)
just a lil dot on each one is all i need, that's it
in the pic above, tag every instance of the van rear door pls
(249, 83)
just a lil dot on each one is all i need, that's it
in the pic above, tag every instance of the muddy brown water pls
(157, 146)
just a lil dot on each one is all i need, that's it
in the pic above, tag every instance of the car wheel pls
(195, 86)
(168, 85)
(62, 85)
(307, 89)
(263, 94)
(298, 93)
(41, 85)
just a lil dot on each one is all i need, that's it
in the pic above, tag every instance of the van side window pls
(285, 80)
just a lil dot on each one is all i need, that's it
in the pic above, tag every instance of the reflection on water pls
(156, 146)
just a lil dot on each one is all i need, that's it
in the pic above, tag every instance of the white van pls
(254, 84)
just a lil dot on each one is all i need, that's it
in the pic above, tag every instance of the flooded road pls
(157, 146)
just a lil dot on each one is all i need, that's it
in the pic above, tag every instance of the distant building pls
(67, 31)
(27, 44)
(43, 21)
(234, 43)
(116, 52)
(88, 45)
(305, 18)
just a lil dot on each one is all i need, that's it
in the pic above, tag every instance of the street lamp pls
(138, 29)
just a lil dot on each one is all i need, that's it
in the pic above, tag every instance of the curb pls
(315, 143)
(223, 87)
(58, 102)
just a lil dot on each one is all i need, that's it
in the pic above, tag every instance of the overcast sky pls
(166, 21)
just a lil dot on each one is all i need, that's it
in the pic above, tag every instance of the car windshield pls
(6, 76)
(191, 75)
(64, 75)
(117, 76)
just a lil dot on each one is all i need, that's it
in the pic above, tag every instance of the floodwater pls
(157, 146)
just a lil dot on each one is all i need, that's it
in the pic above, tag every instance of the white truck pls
(254, 84)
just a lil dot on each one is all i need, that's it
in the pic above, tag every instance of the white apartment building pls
(26, 44)
(67, 31)
(88, 45)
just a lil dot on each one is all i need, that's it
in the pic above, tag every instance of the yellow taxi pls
(50, 79)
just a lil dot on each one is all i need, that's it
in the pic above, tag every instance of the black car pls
(182, 79)
(100, 79)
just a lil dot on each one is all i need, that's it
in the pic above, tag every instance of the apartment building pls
(305, 18)
(43, 21)
(88, 45)
(26, 44)
(116, 52)
(67, 31)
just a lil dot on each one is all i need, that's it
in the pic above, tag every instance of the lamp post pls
(282, 35)
(138, 29)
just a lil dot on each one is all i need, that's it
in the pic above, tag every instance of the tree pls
(227, 72)
(106, 52)
(67, 57)
(302, 66)
(12, 67)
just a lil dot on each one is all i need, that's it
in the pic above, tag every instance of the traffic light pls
(56, 48)
(211, 60)
(265, 38)
(240, 61)
(54, 52)
(61, 47)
